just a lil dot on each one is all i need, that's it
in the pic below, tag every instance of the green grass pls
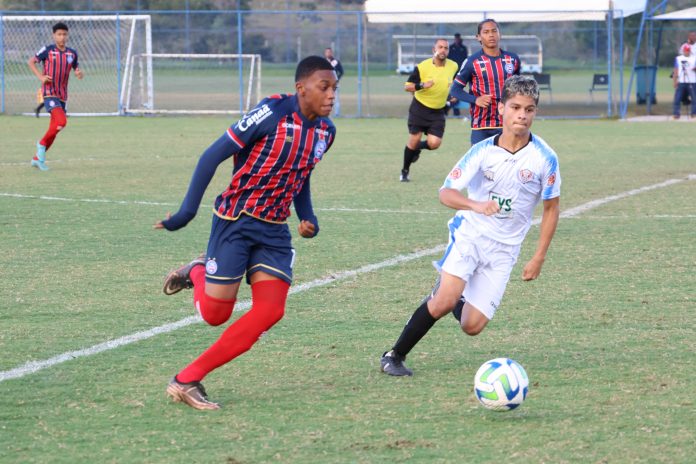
(606, 334)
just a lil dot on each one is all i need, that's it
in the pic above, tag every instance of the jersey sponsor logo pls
(211, 267)
(526, 175)
(552, 179)
(319, 149)
(504, 203)
(254, 118)
(322, 132)
(289, 125)
(455, 174)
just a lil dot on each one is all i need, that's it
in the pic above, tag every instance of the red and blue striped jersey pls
(486, 75)
(279, 147)
(57, 64)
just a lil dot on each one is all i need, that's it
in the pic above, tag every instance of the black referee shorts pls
(423, 119)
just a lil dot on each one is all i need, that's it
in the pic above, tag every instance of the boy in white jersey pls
(505, 176)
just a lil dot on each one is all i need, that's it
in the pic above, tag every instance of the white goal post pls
(180, 83)
(412, 49)
(104, 43)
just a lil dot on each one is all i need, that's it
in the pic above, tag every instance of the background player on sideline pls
(275, 148)
(430, 83)
(505, 176)
(57, 61)
(485, 72)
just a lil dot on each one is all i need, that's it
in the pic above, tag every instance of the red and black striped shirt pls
(486, 75)
(279, 147)
(57, 64)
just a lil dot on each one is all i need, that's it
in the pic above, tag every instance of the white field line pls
(26, 163)
(35, 366)
(650, 216)
(204, 207)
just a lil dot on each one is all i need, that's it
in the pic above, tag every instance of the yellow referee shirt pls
(442, 76)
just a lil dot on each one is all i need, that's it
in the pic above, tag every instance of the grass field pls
(606, 334)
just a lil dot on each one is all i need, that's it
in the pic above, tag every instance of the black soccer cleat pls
(404, 176)
(192, 394)
(179, 279)
(393, 364)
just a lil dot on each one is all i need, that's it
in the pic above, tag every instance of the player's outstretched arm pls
(309, 225)
(549, 221)
(218, 152)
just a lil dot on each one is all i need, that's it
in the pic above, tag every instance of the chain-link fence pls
(585, 72)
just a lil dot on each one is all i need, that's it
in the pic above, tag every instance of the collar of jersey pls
(496, 141)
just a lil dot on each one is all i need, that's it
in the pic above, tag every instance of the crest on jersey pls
(509, 67)
(319, 149)
(526, 175)
(455, 174)
(211, 267)
(552, 179)
(69, 59)
(488, 174)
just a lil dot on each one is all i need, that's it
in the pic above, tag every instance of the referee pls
(430, 83)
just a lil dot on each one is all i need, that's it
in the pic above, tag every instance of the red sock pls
(58, 122)
(268, 306)
(214, 311)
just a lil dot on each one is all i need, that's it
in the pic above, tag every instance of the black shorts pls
(424, 119)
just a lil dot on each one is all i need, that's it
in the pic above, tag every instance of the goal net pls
(192, 83)
(104, 43)
(412, 49)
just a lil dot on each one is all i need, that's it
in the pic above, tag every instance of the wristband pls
(419, 86)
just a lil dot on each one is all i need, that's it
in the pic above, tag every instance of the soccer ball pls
(501, 384)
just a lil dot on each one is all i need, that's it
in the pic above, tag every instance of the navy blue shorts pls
(245, 246)
(51, 103)
(482, 134)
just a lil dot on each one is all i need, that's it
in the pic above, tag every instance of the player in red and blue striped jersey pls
(485, 73)
(58, 60)
(274, 147)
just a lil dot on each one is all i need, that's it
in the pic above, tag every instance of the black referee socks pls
(410, 157)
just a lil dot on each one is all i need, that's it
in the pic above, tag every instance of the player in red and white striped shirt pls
(58, 60)
(485, 73)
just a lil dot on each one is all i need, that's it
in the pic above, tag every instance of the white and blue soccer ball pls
(501, 384)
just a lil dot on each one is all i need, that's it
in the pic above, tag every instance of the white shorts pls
(484, 265)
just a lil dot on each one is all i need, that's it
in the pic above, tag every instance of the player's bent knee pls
(472, 330)
(215, 311)
(474, 327)
(439, 307)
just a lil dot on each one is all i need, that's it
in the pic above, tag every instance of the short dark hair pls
(488, 20)
(457, 35)
(520, 85)
(309, 65)
(60, 27)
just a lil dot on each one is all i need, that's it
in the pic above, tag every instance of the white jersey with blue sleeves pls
(517, 181)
